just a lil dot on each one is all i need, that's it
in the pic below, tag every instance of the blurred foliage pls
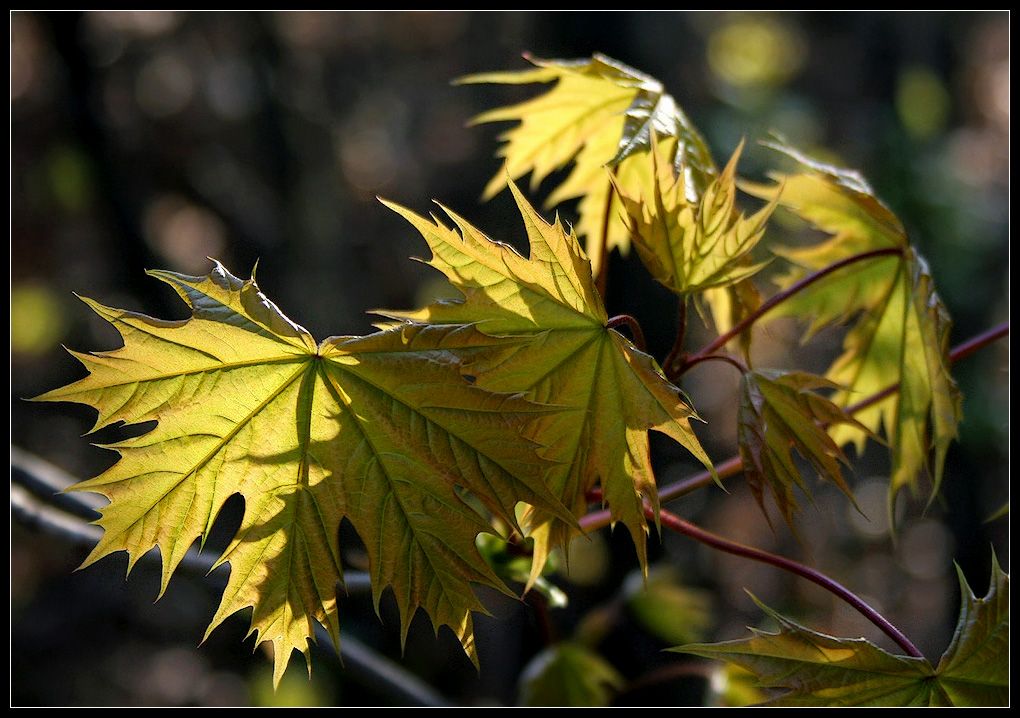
(143, 140)
(569, 676)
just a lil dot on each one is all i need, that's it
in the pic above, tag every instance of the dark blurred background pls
(145, 140)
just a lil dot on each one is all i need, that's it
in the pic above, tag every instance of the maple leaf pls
(569, 675)
(599, 114)
(824, 671)
(974, 670)
(692, 246)
(899, 336)
(779, 412)
(379, 430)
(610, 393)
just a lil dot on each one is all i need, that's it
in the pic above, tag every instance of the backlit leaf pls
(819, 670)
(974, 670)
(813, 669)
(692, 246)
(904, 339)
(381, 430)
(899, 333)
(599, 114)
(565, 355)
(780, 412)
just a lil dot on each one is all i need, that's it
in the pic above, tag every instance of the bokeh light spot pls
(184, 233)
(922, 102)
(164, 86)
(37, 319)
(755, 51)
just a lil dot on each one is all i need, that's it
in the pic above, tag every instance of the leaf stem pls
(741, 367)
(777, 299)
(675, 355)
(637, 335)
(601, 277)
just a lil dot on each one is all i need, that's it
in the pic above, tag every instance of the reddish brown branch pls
(741, 326)
(734, 465)
(674, 523)
(636, 334)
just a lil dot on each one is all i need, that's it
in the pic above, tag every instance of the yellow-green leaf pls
(899, 336)
(692, 246)
(382, 431)
(599, 114)
(836, 200)
(780, 412)
(816, 670)
(610, 393)
(819, 670)
(904, 342)
(974, 670)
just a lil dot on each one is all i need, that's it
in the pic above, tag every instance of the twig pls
(686, 528)
(740, 366)
(779, 298)
(979, 342)
(734, 465)
(675, 523)
(675, 357)
(33, 486)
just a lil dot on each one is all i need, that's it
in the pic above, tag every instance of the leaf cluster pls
(508, 411)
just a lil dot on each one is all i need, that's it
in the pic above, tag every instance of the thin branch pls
(688, 529)
(32, 476)
(716, 357)
(979, 342)
(725, 469)
(34, 513)
(675, 523)
(958, 352)
(734, 465)
(36, 485)
(741, 326)
(49, 482)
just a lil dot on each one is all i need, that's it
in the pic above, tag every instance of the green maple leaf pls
(899, 333)
(600, 113)
(974, 670)
(568, 675)
(820, 670)
(610, 393)
(779, 412)
(380, 430)
(693, 246)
